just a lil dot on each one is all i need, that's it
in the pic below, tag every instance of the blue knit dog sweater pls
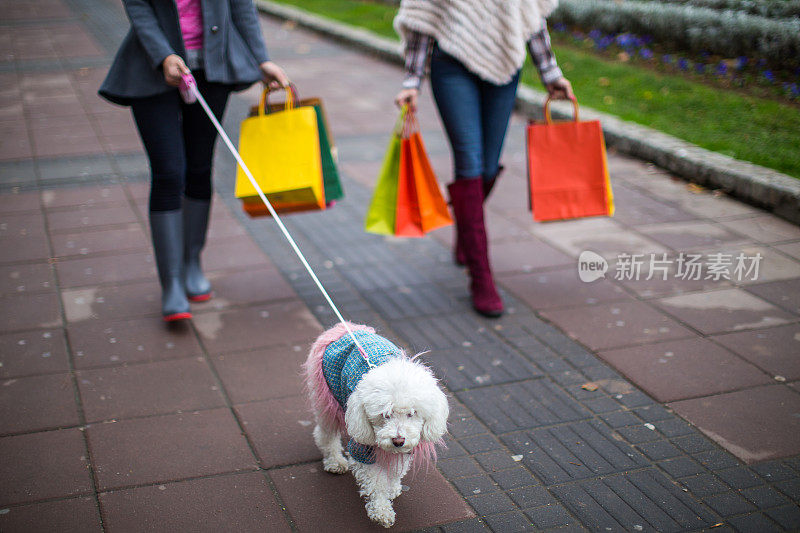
(343, 367)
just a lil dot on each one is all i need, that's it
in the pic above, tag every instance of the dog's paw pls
(396, 490)
(335, 465)
(381, 511)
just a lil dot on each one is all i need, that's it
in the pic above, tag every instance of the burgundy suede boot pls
(488, 185)
(466, 195)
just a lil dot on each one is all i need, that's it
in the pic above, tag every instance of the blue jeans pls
(475, 114)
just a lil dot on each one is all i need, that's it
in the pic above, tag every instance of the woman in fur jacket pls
(475, 50)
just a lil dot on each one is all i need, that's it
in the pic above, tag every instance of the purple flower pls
(741, 61)
(700, 68)
(596, 35)
(646, 53)
(683, 64)
(722, 69)
(561, 27)
(795, 90)
(666, 58)
(769, 75)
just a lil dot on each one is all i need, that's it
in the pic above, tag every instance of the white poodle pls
(389, 404)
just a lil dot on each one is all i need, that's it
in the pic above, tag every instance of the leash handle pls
(192, 86)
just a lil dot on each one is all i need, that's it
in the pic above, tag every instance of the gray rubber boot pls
(195, 224)
(166, 229)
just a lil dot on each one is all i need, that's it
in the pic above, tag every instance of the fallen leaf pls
(589, 386)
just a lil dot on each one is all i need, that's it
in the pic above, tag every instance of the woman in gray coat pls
(221, 42)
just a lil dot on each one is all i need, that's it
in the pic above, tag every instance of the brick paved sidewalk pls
(620, 404)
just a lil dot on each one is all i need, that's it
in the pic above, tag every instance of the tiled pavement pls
(622, 404)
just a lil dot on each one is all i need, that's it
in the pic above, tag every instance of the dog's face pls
(396, 406)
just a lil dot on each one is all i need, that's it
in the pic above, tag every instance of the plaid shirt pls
(419, 47)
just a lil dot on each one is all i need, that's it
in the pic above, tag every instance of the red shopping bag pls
(567, 169)
(420, 205)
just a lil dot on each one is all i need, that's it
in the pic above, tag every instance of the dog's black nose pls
(398, 441)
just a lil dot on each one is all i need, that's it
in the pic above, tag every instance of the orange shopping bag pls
(567, 169)
(420, 205)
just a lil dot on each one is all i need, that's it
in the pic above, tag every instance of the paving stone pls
(578, 450)
(461, 426)
(684, 236)
(75, 515)
(480, 443)
(611, 325)
(111, 343)
(764, 228)
(644, 498)
(621, 419)
(550, 516)
(390, 275)
(31, 247)
(242, 502)
(724, 310)
(489, 504)
(514, 478)
(31, 471)
(118, 268)
(675, 370)
(729, 504)
(771, 349)
(561, 288)
(33, 352)
(467, 526)
(240, 329)
(525, 256)
(681, 467)
(717, 459)
(532, 496)
(459, 467)
(308, 493)
(280, 430)
(410, 301)
(635, 208)
(739, 478)
(791, 488)
(87, 217)
(788, 517)
(760, 263)
(262, 284)
(496, 460)
(148, 389)
(262, 374)
(511, 521)
(94, 195)
(480, 365)
(26, 278)
(754, 424)
(190, 445)
(694, 443)
(522, 405)
(703, 484)
(37, 403)
(130, 237)
(764, 497)
(774, 471)
(659, 450)
(442, 332)
(111, 302)
(470, 486)
(784, 293)
(29, 311)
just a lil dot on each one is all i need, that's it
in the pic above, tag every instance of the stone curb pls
(757, 185)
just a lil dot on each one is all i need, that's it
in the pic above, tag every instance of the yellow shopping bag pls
(282, 151)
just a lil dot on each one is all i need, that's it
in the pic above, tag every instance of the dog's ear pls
(356, 420)
(434, 412)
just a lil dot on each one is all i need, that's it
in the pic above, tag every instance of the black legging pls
(179, 140)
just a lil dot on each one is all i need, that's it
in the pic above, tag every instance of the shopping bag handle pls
(410, 124)
(291, 101)
(548, 119)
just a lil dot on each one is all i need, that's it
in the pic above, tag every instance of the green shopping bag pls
(383, 207)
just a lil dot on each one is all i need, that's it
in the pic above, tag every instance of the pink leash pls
(190, 95)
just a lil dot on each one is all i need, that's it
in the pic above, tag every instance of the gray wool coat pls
(233, 47)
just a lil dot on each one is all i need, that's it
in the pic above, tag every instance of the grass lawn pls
(765, 132)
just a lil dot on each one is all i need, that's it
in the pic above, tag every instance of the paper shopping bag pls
(330, 173)
(282, 151)
(567, 169)
(381, 212)
(420, 205)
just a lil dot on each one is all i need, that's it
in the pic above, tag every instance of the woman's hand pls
(174, 68)
(407, 97)
(561, 89)
(273, 75)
